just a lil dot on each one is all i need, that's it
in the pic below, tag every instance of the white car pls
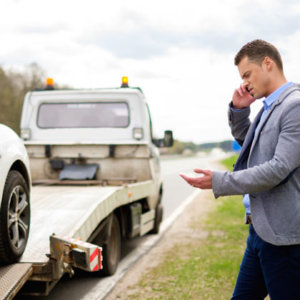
(15, 185)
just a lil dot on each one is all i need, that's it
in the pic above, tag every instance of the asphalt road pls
(86, 285)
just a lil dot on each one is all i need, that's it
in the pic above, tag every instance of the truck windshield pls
(83, 115)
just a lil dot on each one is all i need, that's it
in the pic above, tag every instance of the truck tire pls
(112, 248)
(14, 218)
(158, 218)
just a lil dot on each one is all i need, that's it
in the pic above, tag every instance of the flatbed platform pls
(59, 210)
(66, 211)
(73, 211)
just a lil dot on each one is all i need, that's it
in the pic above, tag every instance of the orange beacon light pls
(124, 82)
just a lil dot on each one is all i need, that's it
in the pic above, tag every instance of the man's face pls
(255, 77)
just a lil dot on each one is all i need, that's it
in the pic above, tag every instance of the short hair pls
(257, 50)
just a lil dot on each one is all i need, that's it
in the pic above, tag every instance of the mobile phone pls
(247, 89)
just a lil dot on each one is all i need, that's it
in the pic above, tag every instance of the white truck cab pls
(100, 116)
(115, 121)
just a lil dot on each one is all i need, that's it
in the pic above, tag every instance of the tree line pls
(13, 87)
(180, 147)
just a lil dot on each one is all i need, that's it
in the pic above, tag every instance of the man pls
(267, 173)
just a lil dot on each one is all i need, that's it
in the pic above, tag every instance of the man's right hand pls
(242, 98)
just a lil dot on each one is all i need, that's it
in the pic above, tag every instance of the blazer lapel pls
(264, 122)
(276, 103)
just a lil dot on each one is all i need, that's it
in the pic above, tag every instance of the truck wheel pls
(112, 248)
(158, 218)
(14, 218)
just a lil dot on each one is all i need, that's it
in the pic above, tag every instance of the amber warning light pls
(49, 84)
(124, 82)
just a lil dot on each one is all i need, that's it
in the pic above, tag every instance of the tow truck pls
(95, 172)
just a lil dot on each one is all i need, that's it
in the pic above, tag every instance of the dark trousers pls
(268, 269)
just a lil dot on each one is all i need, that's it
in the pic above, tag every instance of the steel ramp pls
(12, 278)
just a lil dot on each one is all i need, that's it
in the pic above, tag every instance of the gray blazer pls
(268, 168)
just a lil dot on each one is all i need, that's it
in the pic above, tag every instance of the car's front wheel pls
(14, 218)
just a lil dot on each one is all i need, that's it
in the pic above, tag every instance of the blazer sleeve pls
(270, 173)
(239, 122)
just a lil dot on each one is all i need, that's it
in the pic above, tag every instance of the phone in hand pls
(248, 91)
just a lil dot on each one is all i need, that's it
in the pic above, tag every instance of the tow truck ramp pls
(66, 251)
(63, 218)
(12, 278)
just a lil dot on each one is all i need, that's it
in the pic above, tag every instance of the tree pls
(13, 87)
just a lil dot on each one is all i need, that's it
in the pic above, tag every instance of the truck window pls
(83, 115)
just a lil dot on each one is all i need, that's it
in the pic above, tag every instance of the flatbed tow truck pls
(96, 180)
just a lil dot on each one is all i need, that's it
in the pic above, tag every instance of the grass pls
(202, 268)
(229, 162)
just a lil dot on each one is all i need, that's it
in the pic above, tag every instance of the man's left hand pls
(203, 182)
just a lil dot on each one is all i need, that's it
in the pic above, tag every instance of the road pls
(90, 285)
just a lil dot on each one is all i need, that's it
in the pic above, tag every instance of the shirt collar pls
(275, 95)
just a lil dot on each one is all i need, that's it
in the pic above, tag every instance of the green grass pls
(229, 162)
(202, 268)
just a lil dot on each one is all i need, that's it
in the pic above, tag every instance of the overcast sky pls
(179, 52)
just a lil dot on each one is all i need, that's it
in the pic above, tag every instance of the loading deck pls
(71, 211)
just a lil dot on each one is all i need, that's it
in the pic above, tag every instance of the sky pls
(180, 53)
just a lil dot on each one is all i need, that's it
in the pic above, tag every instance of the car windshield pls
(83, 115)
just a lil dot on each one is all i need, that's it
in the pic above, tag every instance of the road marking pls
(168, 222)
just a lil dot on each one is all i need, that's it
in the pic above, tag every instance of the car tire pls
(14, 218)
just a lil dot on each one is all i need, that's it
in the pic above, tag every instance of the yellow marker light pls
(49, 81)
(49, 84)
(124, 81)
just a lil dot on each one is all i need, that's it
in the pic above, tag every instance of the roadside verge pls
(177, 232)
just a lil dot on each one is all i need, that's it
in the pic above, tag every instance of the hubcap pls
(18, 217)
